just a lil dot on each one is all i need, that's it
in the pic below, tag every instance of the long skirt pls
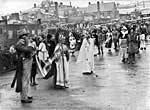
(123, 53)
(62, 74)
(87, 66)
(27, 65)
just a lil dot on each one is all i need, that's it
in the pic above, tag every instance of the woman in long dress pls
(43, 53)
(61, 56)
(86, 54)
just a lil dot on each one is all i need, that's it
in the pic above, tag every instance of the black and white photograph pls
(74, 54)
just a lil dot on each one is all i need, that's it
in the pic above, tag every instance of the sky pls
(11, 6)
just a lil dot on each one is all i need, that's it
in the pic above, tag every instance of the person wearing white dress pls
(61, 56)
(43, 53)
(86, 54)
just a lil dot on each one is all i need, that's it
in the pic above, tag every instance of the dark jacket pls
(23, 52)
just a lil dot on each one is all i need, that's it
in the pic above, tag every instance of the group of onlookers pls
(54, 50)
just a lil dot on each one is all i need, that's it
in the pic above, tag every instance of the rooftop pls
(103, 7)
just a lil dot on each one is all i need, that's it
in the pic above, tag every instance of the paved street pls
(118, 87)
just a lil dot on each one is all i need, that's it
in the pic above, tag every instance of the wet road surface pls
(118, 87)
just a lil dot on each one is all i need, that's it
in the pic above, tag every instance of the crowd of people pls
(54, 51)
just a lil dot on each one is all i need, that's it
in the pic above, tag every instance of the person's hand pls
(21, 41)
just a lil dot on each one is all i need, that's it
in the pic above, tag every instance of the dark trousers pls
(115, 44)
(33, 71)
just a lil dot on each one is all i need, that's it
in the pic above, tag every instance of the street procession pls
(75, 55)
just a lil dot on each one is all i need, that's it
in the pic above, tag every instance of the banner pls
(43, 67)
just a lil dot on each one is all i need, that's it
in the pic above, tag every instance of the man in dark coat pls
(24, 51)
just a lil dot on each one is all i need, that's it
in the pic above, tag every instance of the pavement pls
(116, 86)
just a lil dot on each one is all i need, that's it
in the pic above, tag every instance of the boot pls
(26, 101)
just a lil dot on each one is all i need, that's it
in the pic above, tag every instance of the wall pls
(9, 35)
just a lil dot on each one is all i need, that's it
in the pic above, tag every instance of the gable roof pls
(107, 6)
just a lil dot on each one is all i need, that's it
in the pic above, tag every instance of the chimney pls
(98, 6)
(56, 9)
(89, 3)
(34, 5)
(98, 10)
(70, 4)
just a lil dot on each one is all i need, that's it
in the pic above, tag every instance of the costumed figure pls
(43, 53)
(42, 59)
(60, 63)
(123, 43)
(86, 54)
(24, 51)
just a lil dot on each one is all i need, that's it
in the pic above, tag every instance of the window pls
(10, 34)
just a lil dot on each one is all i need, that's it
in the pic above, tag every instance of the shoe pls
(99, 53)
(26, 101)
(66, 87)
(59, 87)
(92, 72)
(30, 97)
(86, 73)
(141, 48)
(123, 60)
(144, 48)
(34, 84)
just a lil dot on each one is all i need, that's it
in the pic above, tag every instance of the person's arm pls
(24, 48)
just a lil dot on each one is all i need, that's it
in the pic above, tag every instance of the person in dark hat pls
(24, 51)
